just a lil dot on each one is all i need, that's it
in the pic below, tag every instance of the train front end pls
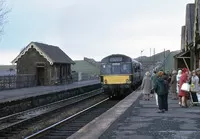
(116, 75)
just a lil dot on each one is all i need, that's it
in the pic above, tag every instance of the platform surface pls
(15, 94)
(143, 122)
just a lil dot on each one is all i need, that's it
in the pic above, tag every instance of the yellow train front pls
(120, 74)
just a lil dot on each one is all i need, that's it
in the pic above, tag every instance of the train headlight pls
(105, 81)
(128, 81)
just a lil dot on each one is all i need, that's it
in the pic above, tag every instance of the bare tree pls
(3, 14)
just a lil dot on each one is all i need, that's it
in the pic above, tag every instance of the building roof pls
(53, 54)
(182, 54)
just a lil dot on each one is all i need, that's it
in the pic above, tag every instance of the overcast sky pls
(94, 28)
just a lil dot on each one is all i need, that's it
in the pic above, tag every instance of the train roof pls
(135, 61)
(115, 55)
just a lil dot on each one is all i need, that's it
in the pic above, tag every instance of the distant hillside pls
(7, 70)
(157, 57)
(160, 60)
(7, 67)
(87, 65)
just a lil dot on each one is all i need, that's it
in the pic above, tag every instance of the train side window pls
(138, 67)
(106, 69)
(135, 67)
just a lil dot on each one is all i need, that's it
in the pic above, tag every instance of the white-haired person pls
(146, 86)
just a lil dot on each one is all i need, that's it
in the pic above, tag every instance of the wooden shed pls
(48, 63)
(182, 60)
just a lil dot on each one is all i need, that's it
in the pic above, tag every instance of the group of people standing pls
(156, 84)
(192, 78)
(160, 84)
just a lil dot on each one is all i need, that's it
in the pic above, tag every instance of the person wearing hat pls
(161, 88)
(173, 84)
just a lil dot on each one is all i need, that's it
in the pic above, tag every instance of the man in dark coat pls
(161, 88)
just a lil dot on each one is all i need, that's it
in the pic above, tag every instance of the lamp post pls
(141, 55)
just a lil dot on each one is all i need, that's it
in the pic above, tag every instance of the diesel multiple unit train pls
(120, 74)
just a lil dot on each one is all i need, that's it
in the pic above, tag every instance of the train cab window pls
(116, 68)
(126, 68)
(106, 68)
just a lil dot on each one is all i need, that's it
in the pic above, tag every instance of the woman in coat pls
(146, 86)
(173, 84)
(161, 88)
(183, 94)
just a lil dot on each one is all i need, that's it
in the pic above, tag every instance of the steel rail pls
(17, 118)
(64, 120)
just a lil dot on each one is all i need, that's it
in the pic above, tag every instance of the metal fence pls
(29, 80)
(17, 81)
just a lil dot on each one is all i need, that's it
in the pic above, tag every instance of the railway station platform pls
(19, 94)
(133, 118)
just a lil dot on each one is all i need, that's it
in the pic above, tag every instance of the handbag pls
(185, 87)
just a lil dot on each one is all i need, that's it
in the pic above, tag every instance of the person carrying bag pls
(161, 88)
(184, 87)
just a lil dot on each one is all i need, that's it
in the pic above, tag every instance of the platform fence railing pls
(29, 80)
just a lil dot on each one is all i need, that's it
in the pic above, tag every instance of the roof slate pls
(54, 53)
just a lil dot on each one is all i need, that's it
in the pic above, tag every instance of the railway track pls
(68, 126)
(12, 124)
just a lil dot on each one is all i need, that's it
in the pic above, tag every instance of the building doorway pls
(40, 76)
